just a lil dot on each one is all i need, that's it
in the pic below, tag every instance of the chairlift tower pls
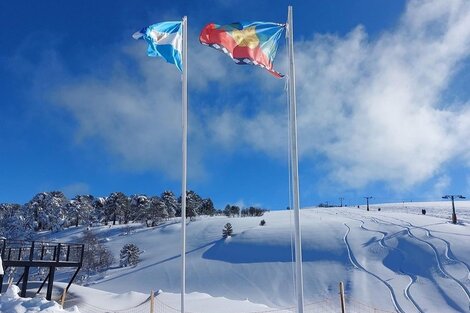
(452, 197)
(367, 199)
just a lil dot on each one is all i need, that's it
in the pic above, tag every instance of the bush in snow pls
(253, 211)
(227, 231)
(262, 223)
(96, 257)
(231, 210)
(130, 255)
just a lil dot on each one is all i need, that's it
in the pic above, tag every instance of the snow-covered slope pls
(395, 259)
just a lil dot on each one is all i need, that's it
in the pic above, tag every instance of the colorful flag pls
(164, 40)
(246, 43)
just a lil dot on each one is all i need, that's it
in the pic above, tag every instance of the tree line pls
(53, 211)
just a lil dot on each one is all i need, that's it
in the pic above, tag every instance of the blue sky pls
(382, 89)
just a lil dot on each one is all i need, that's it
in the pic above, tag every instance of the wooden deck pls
(51, 255)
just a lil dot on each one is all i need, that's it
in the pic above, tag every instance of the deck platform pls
(51, 255)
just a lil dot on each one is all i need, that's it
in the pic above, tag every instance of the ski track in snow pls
(356, 264)
(382, 243)
(436, 253)
(439, 262)
(412, 278)
(448, 252)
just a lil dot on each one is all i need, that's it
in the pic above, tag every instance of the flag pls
(164, 40)
(246, 43)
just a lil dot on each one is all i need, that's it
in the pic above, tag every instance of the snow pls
(10, 302)
(395, 259)
(87, 298)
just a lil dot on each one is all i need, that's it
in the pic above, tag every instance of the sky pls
(382, 95)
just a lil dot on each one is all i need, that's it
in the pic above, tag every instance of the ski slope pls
(394, 259)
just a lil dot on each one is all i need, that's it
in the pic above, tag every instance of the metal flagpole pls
(294, 165)
(184, 121)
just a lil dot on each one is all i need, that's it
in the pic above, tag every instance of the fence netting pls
(324, 306)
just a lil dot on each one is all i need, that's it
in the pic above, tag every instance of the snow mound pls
(10, 302)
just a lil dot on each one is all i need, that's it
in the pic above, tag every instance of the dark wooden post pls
(54, 254)
(50, 282)
(82, 250)
(341, 297)
(42, 284)
(24, 285)
(59, 246)
(42, 251)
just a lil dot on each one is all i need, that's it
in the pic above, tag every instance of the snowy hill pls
(394, 259)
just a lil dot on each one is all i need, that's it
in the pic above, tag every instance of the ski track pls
(436, 252)
(448, 253)
(383, 244)
(356, 264)
(434, 249)
(411, 278)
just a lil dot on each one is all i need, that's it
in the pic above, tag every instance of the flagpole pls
(294, 165)
(184, 116)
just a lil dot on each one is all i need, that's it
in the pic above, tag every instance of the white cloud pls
(138, 118)
(135, 119)
(374, 108)
(74, 189)
(375, 105)
(441, 186)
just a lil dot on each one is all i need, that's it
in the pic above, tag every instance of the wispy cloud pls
(74, 189)
(136, 113)
(374, 107)
(371, 108)
(441, 187)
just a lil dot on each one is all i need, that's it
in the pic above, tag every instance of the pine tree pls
(227, 231)
(56, 205)
(49, 210)
(117, 206)
(207, 207)
(80, 210)
(16, 222)
(99, 214)
(193, 204)
(227, 210)
(130, 255)
(171, 204)
(157, 211)
(139, 205)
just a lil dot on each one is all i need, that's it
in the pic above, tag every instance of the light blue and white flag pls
(164, 40)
